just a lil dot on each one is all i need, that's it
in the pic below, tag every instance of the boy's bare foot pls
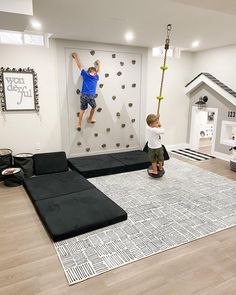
(91, 121)
(152, 172)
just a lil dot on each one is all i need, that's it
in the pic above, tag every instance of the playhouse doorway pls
(203, 129)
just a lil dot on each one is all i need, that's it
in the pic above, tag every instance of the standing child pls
(155, 150)
(88, 91)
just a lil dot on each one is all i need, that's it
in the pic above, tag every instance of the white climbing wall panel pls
(118, 102)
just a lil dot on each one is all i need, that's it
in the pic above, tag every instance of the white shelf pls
(229, 142)
(227, 131)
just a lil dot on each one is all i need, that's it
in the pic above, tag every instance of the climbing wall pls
(118, 102)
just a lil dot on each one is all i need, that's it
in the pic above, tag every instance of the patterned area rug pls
(186, 204)
(192, 155)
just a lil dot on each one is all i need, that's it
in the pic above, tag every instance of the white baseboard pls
(170, 147)
(222, 156)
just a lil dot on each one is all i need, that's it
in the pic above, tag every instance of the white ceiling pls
(212, 22)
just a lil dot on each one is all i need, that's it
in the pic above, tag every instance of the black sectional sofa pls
(67, 203)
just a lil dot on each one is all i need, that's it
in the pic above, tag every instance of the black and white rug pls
(186, 204)
(192, 155)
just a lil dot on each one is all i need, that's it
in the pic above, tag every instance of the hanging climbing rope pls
(164, 68)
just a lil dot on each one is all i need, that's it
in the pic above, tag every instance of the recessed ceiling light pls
(36, 24)
(129, 36)
(195, 44)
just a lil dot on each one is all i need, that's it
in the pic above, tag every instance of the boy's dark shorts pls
(155, 155)
(86, 99)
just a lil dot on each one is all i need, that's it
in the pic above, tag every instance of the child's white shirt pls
(153, 137)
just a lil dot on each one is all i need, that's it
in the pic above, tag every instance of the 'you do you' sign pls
(19, 89)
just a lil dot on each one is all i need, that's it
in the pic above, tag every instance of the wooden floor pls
(29, 264)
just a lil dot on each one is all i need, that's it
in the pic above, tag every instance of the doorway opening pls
(203, 129)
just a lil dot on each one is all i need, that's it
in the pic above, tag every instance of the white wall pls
(220, 62)
(175, 105)
(22, 131)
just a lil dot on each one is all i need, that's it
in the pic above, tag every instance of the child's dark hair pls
(92, 69)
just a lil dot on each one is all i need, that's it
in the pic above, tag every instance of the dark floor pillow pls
(55, 184)
(77, 213)
(54, 162)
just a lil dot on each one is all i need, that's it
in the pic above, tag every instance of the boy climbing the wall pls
(88, 91)
(155, 150)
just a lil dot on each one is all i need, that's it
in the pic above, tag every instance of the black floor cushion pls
(72, 214)
(133, 160)
(99, 165)
(56, 184)
(54, 162)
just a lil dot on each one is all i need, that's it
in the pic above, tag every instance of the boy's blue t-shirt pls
(89, 83)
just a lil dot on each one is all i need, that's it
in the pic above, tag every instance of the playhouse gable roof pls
(213, 83)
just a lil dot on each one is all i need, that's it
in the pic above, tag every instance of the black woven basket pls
(5, 160)
(25, 162)
(13, 176)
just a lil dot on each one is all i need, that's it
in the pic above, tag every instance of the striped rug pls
(192, 155)
(162, 214)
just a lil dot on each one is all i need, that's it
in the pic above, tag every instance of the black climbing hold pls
(118, 144)
(87, 149)
(100, 85)
(122, 63)
(77, 91)
(108, 129)
(119, 73)
(123, 125)
(133, 85)
(130, 104)
(99, 110)
(127, 145)
(96, 134)
(118, 114)
(131, 136)
(92, 52)
(113, 97)
(133, 62)
(133, 120)
(113, 55)
(123, 86)
(106, 75)
(79, 143)
(104, 145)
(78, 114)
(96, 95)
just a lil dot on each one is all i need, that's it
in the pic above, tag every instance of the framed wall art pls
(19, 89)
